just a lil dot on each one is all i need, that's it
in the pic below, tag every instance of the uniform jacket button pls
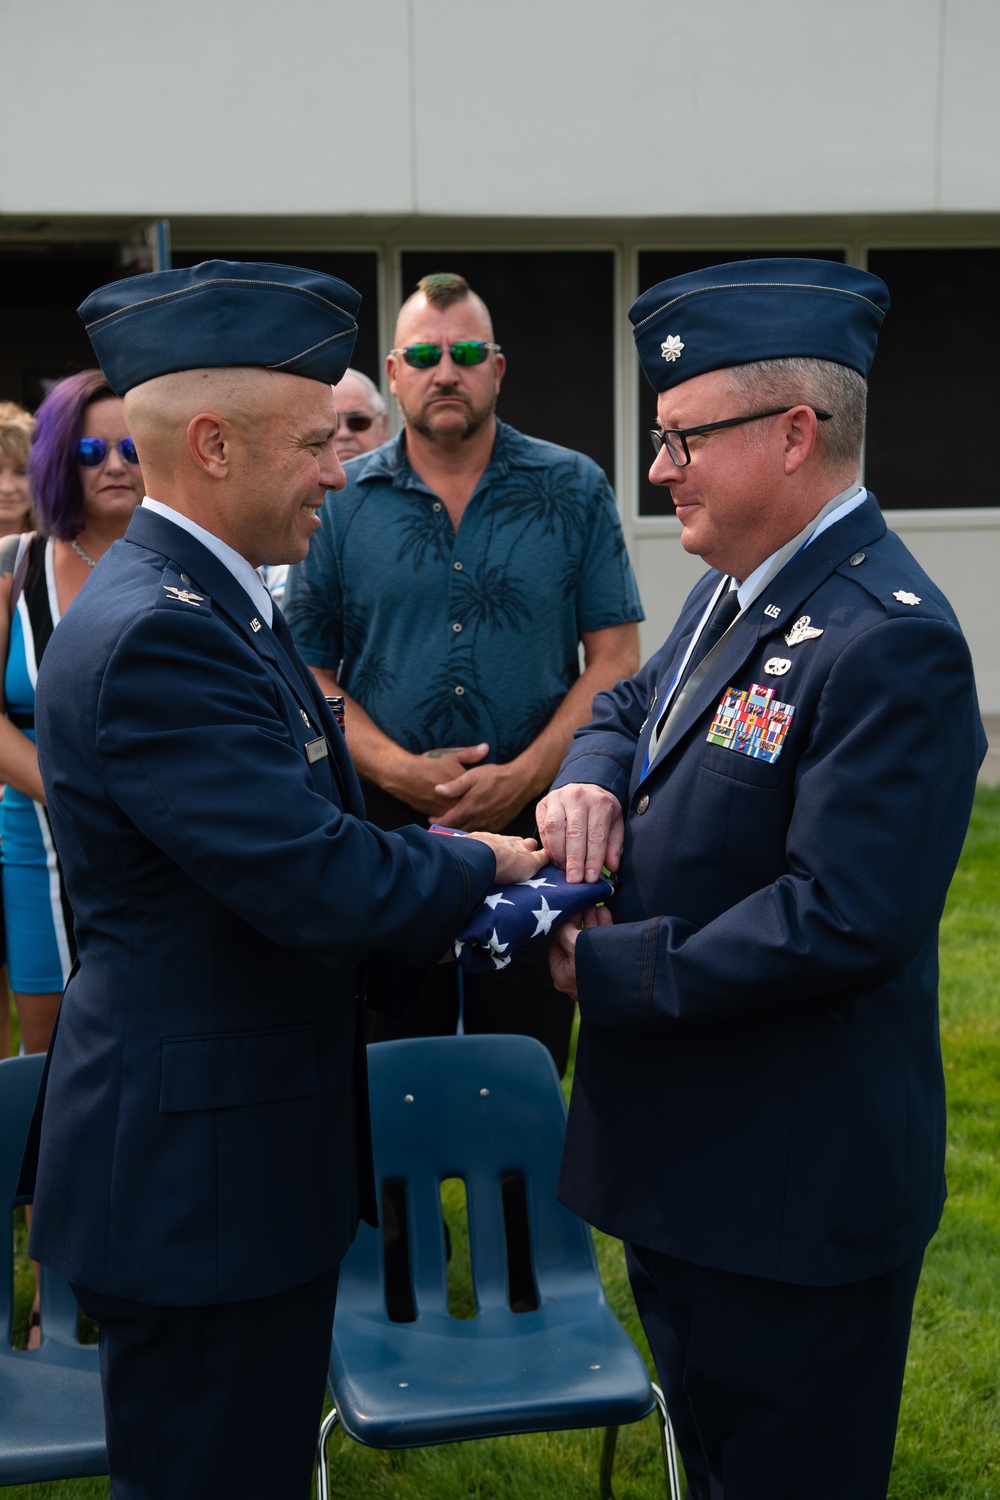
(642, 803)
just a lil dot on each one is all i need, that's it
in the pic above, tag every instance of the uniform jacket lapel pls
(208, 574)
(773, 612)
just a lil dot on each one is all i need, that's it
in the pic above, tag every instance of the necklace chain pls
(90, 561)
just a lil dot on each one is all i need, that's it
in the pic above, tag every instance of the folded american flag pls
(511, 915)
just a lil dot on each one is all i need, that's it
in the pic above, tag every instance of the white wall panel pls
(502, 107)
(970, 136)
(666, 575)
(669, 107)
(204, 107)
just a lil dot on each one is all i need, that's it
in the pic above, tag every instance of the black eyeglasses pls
(465, 353)
(355, 421)
(91, 452)
(674, 439)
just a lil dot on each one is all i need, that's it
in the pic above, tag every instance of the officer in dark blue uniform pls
(758, 1105)
(204, 1148)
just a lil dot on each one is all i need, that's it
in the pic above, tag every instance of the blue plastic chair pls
(488, 1110)
(51, 1410)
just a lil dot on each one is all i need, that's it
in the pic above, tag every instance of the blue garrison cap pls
(747, 310)
(222, 313)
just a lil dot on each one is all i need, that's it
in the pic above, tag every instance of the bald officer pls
(231, 905)
(758, 1106)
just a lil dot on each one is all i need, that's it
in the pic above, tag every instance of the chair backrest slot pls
(397, 1268)
(455, 1217)
(522, 1293)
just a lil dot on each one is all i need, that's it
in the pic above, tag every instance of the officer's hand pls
(582, 828)
(562, 948)
(517, 859)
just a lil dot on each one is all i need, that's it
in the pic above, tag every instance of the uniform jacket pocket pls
(236, 1069)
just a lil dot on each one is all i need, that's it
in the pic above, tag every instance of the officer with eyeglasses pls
(446, 597)
(758, 1101)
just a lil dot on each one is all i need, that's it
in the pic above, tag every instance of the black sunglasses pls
(355, 421)
(91, 452)
(465, 353)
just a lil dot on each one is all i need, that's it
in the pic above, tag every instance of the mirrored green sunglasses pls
(467, 352)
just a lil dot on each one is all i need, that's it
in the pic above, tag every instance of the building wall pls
(502, 107)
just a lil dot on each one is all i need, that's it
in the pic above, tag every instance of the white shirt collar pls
(246, 576)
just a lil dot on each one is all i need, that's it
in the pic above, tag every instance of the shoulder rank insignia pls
(801, 631)
(905, 597)
(183, 596)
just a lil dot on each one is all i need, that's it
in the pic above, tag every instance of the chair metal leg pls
(607, 1460)
(322, 1472)
(669, 1448)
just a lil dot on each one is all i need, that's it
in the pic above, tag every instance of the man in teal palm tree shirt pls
(446, 596)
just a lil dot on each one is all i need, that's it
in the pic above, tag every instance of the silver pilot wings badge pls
(184, 595)
(801, 631)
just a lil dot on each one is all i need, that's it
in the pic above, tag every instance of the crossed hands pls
(452, 788)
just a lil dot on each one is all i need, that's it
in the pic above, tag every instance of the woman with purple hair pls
(85, 481)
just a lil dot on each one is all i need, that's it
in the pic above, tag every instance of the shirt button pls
(459, 690)
(457, 628)
(457, 567)
(436, 505)
(642, 803)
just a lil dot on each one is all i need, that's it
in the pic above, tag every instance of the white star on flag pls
(502, 926)
(546, 917)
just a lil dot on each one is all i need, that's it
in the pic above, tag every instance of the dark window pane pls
(41, 337)
(656, 266)
(937, 359)
(553, 313)
(359, 268)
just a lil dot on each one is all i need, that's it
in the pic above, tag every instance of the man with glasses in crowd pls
(445, 597)
(758, 1104)
(364, 423)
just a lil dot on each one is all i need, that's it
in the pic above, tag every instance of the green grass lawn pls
(949, 1433)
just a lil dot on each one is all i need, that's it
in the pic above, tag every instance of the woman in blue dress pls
(85, 482)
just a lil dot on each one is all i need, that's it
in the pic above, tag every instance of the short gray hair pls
(811, 382)
(371, 390)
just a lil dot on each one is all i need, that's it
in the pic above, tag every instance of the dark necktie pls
(726, 609)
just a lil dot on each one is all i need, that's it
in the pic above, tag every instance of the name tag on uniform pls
(316, 749)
